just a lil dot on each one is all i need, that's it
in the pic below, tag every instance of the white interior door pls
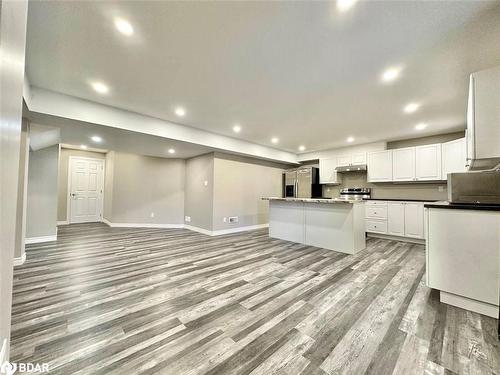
(86, 184)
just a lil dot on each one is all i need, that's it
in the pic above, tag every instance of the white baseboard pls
(397, 238)
(31, 240)
(3, 352)
(64, 222)
(20, 261)
(142, 225)
(469, 304)
(225, 231)
(199, 230)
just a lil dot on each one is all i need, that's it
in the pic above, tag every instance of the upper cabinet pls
(379, 165)
(428, 162)
(453, 157)
(327, 172)
(483, 119)
(351, 159)
(403, 164)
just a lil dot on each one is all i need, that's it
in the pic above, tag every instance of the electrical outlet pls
(152, 214)
(187, 219)
(224, 219)
(233, 219)
(205, 183)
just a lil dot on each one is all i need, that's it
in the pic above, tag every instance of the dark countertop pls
(464, 206)
(400, 200)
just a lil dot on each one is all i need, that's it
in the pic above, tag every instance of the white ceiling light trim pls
(236, 128)
(391, 74)
(275, 140)
(83, 147)
(421, 126)
(345, 5)
(179, 111)
(171, 151)
(350, 139)
(302, 148)
(96, 139)
(124, 27)
(411, 107)
(100, 87)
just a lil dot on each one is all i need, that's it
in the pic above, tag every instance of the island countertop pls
(314, 200)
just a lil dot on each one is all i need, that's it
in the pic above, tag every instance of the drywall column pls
(13, 18)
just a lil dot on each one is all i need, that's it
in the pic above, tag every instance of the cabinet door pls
(403, 164)
(358, 158)
(414, 219)
(379, 166)
(453, 157)
(428, 162)
(327, 173)
(343, 160)
(396, 218)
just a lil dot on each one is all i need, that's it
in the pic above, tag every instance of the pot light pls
(274, 140)
(236, 128)
(344, 5)
(421, 126)
(179, 111)
(302, 148)
(96, 138)
(411, 107)
(391, 74)
(124, 26)
(100, 87)
(171, 151)
(83, 147)
(350, 139)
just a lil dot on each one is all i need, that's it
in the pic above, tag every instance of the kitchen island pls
(334, 224)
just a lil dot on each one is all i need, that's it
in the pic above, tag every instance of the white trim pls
(31, 240)
(469, 304)
(142, 225)
(68, 200)
(198, 229)
(396, 238)
(19, 261)
(239, 229)
(63, 222)
(3, 352)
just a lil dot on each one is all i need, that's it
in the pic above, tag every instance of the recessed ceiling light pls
(344, 5)
(179, 111)
(100, 87)
(96, 138)
(391, 74)
(83, 147)
(171, 151)
(124, 26)
(236, 128)
(274, 140)
(411, 107)
(350, 139)
(302, 148)
(421, 126)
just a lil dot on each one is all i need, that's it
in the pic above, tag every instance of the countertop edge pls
(313, 200)
(455, 206)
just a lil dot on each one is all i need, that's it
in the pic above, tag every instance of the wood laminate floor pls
(109, 301)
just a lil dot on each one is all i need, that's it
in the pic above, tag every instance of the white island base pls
(329, 224)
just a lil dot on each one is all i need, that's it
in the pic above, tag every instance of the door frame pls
(68, 197)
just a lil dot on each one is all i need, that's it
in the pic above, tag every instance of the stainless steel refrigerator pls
(302, 182)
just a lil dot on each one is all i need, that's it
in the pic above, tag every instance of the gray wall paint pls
(143, 185)
(42, 192)
(198, 201)
(22, 191)
(13, 19)
(239, 185)
(108, 186)
(62, 190)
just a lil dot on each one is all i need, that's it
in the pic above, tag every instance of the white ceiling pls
(300, 71)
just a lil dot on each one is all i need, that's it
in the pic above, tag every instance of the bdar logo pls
(8, 368)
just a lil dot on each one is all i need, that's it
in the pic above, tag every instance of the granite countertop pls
(314, 200)
(464, 206)
(400, 200)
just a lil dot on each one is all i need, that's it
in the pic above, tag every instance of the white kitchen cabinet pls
(428, 162)
(453, 157)
(327, 172)
(403, 164)
(343, 160)
(414, 219)
(379, 165)
(396, 218)
(358, 158)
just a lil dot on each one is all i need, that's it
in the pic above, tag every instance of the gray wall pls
(108, 186)
(62, 190)
(13, 16)
(239, 185)
(423, 191)
(41, 219)
(198, 201)
(22, 190)
(142, 185)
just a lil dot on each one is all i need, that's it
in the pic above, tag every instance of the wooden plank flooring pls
(108, 301)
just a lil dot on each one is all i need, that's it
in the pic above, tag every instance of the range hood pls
(351, 168)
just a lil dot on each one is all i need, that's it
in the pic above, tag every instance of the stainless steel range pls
(356, 193)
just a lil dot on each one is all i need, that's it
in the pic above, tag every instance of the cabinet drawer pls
(376, 203)
(376, 212)
(376, 226)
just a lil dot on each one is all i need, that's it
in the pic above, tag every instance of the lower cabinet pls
(395, 218)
